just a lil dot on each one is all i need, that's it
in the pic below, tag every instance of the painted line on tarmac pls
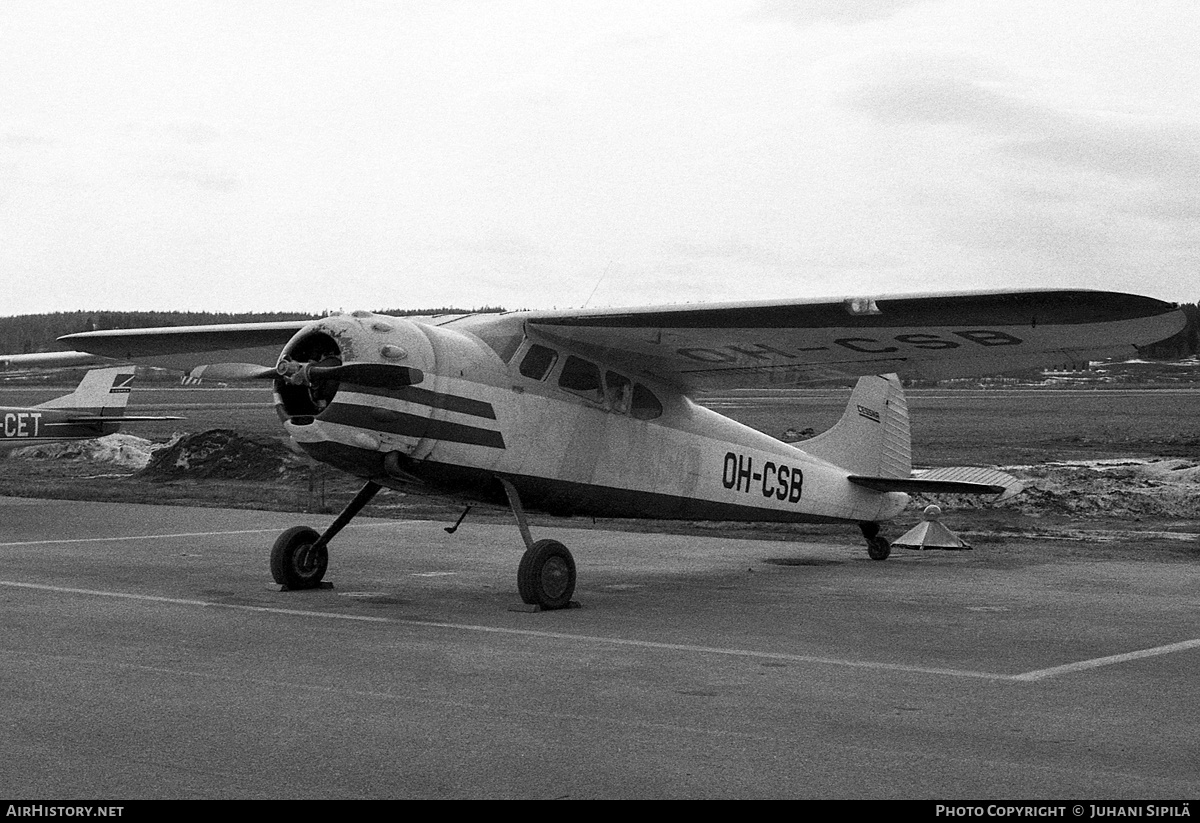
(1026, 677)
(275, 530)
(179, 601)
(1111, 660)
(581, 638)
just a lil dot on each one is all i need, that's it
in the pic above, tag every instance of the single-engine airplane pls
(94, 409)
(591, 412)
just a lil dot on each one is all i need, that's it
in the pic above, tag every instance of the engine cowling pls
(346, 379)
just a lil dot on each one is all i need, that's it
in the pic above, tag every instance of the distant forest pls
(38, 332)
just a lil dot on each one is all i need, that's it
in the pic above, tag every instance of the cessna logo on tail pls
(122, 384)
(870, 414)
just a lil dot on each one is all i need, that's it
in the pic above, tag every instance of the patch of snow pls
(118, 449)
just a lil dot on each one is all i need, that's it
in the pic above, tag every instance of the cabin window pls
(581, 377)
(645, 405)
(505, 346)
(618, 392)
(538, 361)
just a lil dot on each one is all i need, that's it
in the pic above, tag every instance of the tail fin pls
(101, 391)
(872, 438)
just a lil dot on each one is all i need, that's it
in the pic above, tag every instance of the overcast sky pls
(254, 156)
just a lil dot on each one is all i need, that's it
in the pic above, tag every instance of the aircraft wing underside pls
(759, 345)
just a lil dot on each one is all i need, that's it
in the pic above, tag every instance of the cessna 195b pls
(592, 412)
(94, 409)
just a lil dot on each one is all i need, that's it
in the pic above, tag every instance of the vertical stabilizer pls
(102, 391)
(872, 438)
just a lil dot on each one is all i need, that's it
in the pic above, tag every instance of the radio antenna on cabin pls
(598, 282)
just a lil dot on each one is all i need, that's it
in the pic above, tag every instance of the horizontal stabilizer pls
(952, 480)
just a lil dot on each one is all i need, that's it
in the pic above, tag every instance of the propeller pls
(375, 375)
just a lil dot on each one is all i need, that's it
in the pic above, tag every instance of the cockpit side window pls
(618, 392)
(645, 405)
(581, 377)
(538, 361)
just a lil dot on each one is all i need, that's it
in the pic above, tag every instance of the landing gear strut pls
(300, 556)
(877, 547)
(546, 576)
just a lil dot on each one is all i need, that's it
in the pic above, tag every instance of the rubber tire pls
(878, 548)
(546, 576)
(293, 565)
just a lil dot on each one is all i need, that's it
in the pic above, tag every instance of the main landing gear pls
(877, 547)
(545, 577)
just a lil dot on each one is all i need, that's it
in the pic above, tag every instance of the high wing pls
(753, 345)
(780, 344)
(187, 348)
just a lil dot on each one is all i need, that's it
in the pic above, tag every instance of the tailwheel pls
(878, 548)
(546, 576)
(297, 560)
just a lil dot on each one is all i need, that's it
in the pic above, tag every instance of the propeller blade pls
(233, 371)
(375, 375)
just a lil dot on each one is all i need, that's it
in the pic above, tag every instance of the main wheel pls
(294, 561)
(878, 548)
(546, 576)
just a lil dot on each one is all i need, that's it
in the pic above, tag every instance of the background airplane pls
(94, 409)
(592, 412)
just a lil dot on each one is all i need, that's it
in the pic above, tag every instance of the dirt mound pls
(123, 450)
(221, 454)
(1159, 487)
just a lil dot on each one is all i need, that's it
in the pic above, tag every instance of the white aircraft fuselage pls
(572, 434)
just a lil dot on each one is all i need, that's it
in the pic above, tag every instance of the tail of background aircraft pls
(103, 392)
(94, 409)
(872, 438)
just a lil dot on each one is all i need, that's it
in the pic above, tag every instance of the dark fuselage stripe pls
(410, 425)
(425, 397)
(559, 497)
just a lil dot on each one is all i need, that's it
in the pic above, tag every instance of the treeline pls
(38, 332)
